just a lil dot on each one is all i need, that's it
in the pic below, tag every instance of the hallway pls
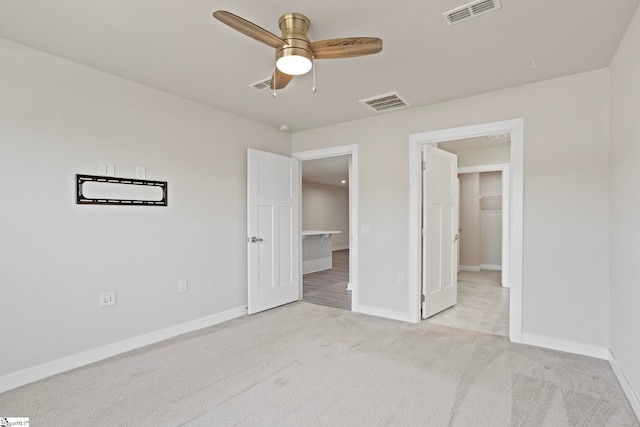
(329, 287)
(483, 304)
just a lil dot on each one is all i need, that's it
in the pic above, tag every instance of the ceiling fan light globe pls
(294, 65)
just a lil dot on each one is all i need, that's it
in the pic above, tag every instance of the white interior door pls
(440, 231)
(273, 230)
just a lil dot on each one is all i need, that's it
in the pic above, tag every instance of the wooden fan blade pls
(249, 29)
(279, 79)
(346, 47)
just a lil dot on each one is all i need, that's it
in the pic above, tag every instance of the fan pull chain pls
(313, 64)
(273, 81)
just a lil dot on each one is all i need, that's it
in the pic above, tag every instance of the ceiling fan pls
(294, 51)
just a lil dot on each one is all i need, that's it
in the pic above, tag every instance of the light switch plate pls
(107, 169)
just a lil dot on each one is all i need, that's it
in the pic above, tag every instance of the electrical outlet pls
(182, 285)
(400, 278)
(107, 299)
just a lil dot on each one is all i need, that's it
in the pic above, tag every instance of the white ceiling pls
(178, 47)
(328, 171)
(458, 146)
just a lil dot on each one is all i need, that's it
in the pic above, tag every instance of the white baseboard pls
(566, 346)
(378, 312)
(340, 248)
(626, 387)
(315, 270)
(480, 267)
(35, 373)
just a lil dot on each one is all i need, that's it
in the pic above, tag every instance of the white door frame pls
(506, 212)
(516, 128)
(353, 209)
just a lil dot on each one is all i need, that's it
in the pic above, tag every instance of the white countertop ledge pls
(318, 232)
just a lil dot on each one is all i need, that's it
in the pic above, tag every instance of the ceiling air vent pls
(386, 102)
(471, 10)
(262, 84)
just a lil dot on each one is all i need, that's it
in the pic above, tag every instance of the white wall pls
(566, 275)
(625, 206)
(491, 183)
(484, 156)
(58, 119)
(326, 207)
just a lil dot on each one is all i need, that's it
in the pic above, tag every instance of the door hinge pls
(424, 232)
(424, 166)
(424, 297)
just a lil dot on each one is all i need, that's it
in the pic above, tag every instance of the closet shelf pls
(490, 203)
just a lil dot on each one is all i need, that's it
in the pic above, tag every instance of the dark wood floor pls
(329, 287)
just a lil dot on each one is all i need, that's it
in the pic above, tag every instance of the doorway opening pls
(328, 218)
(514, 236)
(483, 229)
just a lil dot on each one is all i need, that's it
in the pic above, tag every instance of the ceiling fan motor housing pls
(295, 53)
(294, 28)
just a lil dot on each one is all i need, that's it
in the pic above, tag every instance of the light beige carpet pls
(305, 365)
